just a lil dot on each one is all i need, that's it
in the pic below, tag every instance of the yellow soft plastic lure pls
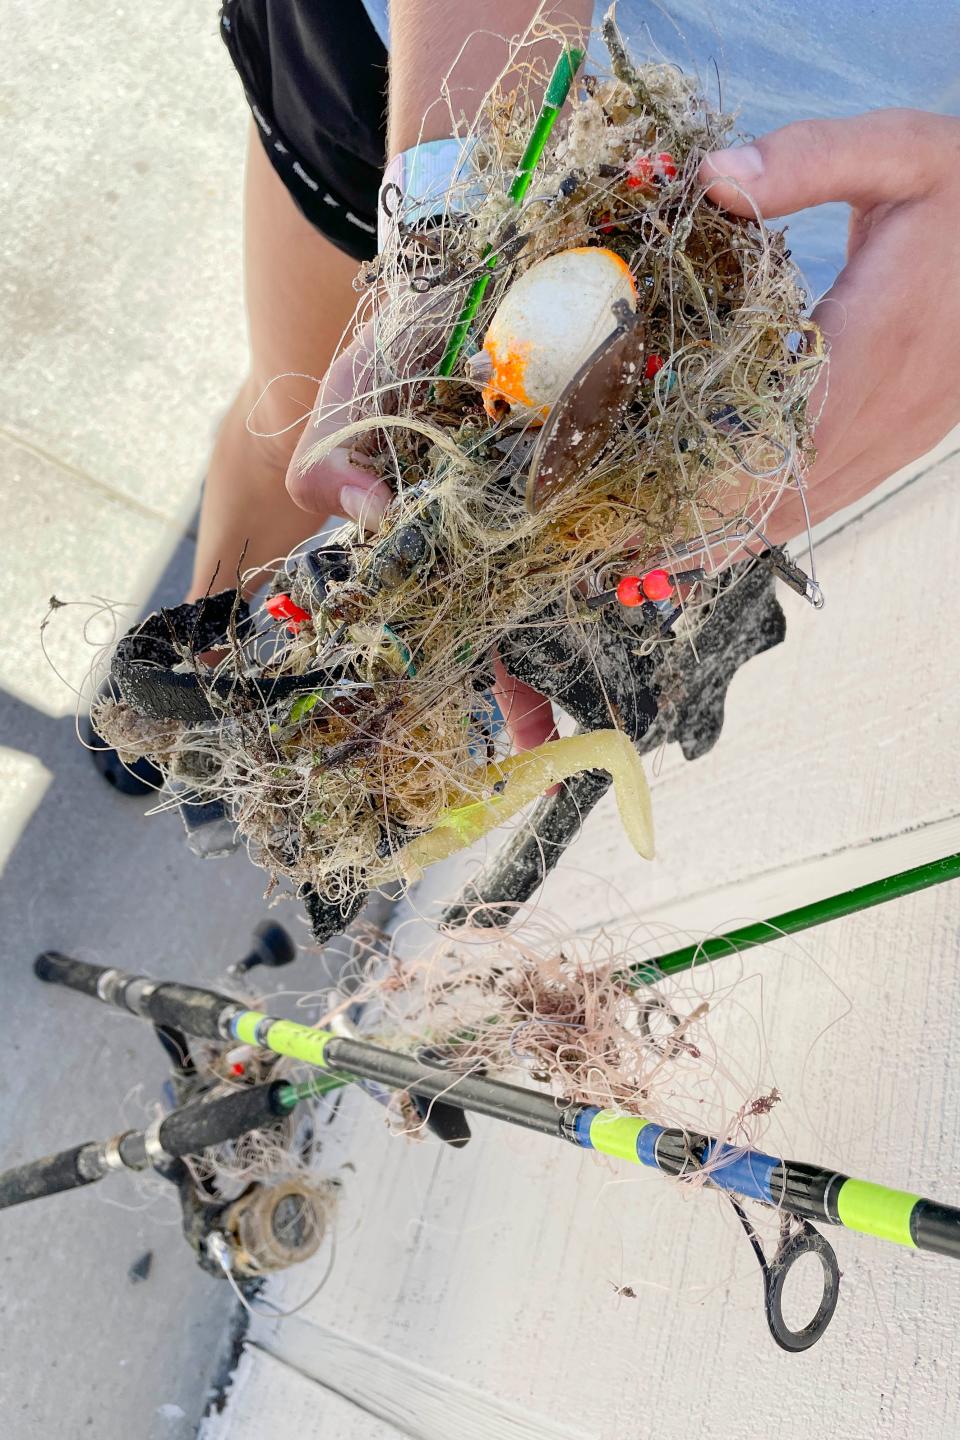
(526, 776)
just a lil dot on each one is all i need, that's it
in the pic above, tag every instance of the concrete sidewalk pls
(123, 338)
(517, 1290)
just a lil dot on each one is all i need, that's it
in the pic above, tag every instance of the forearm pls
(245, 510)
(445, 56)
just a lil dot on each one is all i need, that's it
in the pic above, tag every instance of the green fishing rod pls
(805, 917)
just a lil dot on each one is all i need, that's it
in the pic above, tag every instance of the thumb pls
(334, 484)
(884, 157)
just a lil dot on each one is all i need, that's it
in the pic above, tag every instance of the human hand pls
(892, 319)
(338, 485)
(440, 63)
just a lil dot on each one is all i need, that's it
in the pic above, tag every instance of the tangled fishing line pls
(568, 1013)
(536, 451)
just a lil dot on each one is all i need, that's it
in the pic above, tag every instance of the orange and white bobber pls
(546, 326)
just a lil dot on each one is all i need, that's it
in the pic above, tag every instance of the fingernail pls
(739, 162)
(365, 506)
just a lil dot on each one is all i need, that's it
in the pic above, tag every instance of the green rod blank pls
(761, 932)
(290, 1095)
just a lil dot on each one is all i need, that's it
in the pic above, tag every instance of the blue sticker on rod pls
(581, 1126)
(745, 1172)
(647, 1144)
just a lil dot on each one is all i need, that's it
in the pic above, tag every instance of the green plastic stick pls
(291, 1095)
(557, 92)
(848, 902)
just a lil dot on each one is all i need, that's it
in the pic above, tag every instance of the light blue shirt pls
(783, 60)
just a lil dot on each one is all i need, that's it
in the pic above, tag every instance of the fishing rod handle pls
(49, 1175)
(194, 1127)
(182, 1007)
(186, 1131)
(57, 969)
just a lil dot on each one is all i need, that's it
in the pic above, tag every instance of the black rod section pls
(185, 1131)
(529, 1108)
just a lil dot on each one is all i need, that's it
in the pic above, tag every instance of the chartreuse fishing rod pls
(799, 1191)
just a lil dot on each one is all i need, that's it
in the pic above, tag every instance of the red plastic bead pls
(654, 363)
(656, 585)
(281, 607)
(630, 591)
(640, 172)
(646, 170)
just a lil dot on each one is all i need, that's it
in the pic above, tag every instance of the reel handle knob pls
(273, 947)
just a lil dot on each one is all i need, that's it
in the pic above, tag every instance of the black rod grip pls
(59, 969)
(187, 1008)
(176, 1006)
(211, 1122)
(47, 1176)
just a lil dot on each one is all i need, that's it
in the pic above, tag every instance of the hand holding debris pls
(338, 485)
(892, 320)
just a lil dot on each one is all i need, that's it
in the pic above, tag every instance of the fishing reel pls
(248, 1230)
(244, 1229)
(269, 1227)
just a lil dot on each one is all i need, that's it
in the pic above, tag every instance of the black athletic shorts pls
(315, 76)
